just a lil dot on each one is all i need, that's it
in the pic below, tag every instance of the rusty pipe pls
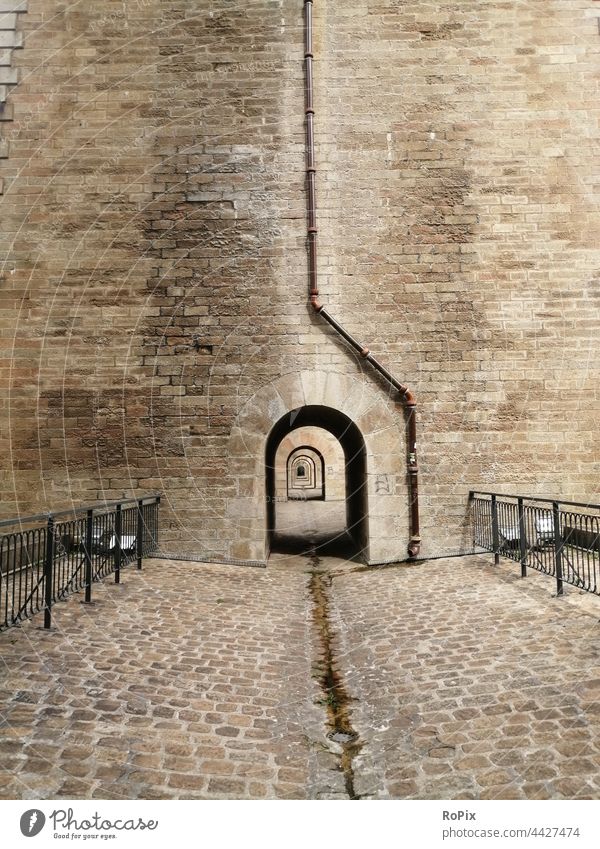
(407, 397)
(414, 546)
(311, 171)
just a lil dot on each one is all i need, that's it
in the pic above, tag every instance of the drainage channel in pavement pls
(336, 700)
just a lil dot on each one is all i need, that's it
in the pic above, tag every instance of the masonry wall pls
(153, 245)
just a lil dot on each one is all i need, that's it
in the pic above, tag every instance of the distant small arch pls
(305, 473)
(301, 471)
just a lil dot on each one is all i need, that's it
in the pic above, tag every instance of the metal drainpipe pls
(408, 399)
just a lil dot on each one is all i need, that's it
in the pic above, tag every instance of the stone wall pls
(11, 39)
(154, 266)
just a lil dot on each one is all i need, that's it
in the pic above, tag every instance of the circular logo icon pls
(32, 822)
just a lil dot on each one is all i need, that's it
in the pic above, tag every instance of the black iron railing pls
(41, 564)
(558, 538)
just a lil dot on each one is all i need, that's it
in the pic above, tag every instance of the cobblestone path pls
(445, 679)
(470, 682)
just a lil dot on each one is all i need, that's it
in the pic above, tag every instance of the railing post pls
(139, 537)
(118, 544)
(557, 547)
(155, 525)
(88, 556)
(495, 534)
(472, 513)
(522, 538)
(49, 572)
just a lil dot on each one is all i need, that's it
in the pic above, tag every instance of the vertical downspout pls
(408, 399)
(311, 170)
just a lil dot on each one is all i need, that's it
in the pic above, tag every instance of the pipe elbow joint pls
(414, 547)
(409, 399)
(316, 303)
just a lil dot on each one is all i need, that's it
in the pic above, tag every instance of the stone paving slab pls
(186, 681)
(469, 682)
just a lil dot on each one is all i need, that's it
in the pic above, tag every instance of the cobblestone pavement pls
(191, 680)
(185, 681)
(469, 682)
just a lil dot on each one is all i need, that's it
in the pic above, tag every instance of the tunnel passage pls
(301, 524)
(305, 472)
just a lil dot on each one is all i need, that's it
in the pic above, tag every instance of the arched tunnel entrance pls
(336, 524)
(372, 440)
(305, 470)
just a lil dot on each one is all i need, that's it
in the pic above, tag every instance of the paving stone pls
(472, 762)
(258, 790)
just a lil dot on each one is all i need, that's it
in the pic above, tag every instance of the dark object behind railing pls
(42, 564)
(540, 533)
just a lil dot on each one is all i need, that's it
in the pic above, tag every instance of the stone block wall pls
(153, 263)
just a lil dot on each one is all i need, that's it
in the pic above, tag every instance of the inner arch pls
(355, 480)
(305, 472)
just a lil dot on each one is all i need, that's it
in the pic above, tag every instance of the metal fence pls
(558, 538)
(41, 564)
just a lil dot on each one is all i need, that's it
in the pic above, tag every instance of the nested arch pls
(378, 419)
(355, 456)
(305, 471)
(302, 472)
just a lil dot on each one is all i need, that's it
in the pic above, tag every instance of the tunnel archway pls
(355, 457)
(301, 472)
(305, 473)
(377, 420)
